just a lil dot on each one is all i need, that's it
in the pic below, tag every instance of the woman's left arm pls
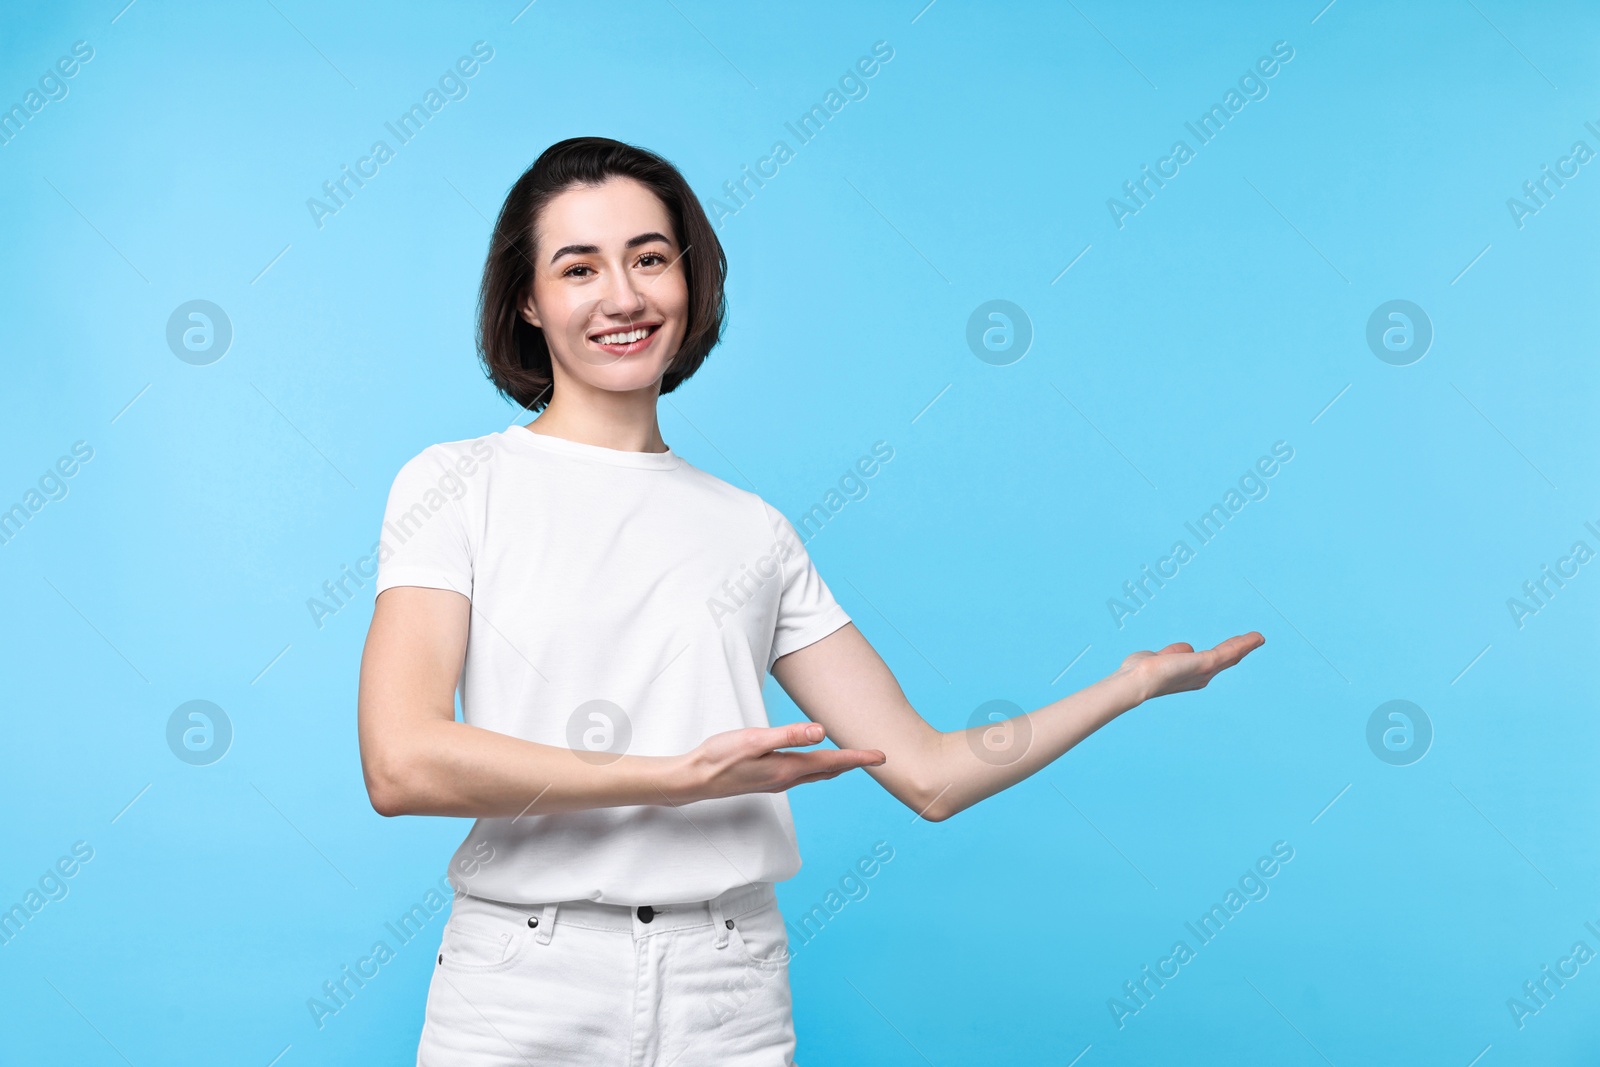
(842, 683)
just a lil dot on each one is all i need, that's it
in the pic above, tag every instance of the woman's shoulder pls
(461, 458)
(715, 485)
(748, 504)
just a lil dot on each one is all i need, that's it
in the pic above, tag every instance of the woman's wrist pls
(671, 779)
(1131, 686)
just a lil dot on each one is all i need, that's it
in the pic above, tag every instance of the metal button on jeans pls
(646, 913)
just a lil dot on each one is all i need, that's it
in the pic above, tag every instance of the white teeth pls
(622, 338)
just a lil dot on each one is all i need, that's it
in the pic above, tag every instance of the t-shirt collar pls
(520, 436)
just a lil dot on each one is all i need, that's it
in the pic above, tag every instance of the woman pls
(611, 612)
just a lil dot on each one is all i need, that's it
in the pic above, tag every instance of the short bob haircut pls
(514, 353)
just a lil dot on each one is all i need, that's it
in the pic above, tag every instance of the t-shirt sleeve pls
(807, 611)
(424, 538)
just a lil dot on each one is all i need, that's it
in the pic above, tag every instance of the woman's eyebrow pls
(589, 250)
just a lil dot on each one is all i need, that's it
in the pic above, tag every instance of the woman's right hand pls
(750, 760)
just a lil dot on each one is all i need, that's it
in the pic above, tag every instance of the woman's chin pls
(623, 377)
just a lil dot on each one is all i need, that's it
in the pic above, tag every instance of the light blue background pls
(1226, 315)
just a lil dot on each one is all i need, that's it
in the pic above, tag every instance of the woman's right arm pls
(418, 760)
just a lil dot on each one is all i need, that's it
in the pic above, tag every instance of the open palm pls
(1178, 667)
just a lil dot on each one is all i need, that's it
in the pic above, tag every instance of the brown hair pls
(514, 353)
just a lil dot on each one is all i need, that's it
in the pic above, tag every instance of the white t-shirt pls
(622, 602)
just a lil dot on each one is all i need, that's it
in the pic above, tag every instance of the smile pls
(626, 342)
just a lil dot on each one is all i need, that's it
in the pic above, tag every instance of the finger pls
(838, 761)
(821, 776)
(1228, 653)
(1235, 649)
(835, 761)
(1177, 646)
(796, 733)
(809, 779)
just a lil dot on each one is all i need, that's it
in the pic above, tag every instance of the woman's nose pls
(625, 293)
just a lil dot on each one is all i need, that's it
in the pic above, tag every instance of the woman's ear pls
(529, 313)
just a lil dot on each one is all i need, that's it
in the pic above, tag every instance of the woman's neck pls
(627, 426)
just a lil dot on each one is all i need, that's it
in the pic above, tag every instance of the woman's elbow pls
(937, 809)
(934, 789)
(386, 802)
(928, 801)
(385, 787)
(386, 799)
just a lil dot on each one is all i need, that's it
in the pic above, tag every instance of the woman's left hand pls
(1178, 667)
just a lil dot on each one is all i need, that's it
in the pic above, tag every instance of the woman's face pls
(606, 270)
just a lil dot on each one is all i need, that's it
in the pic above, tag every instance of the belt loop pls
(547, 923)
(719, 926)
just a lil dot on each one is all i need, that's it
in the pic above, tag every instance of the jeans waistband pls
(639, 920)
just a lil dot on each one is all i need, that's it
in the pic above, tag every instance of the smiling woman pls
(615, 751)
(665, 273)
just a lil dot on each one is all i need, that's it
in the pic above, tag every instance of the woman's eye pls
(649, 259)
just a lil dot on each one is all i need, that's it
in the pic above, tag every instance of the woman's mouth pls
(625, 342)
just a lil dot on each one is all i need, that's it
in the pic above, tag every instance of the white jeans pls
(704, 984)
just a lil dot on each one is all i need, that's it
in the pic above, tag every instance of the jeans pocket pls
(761, 937)
(473, 943)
